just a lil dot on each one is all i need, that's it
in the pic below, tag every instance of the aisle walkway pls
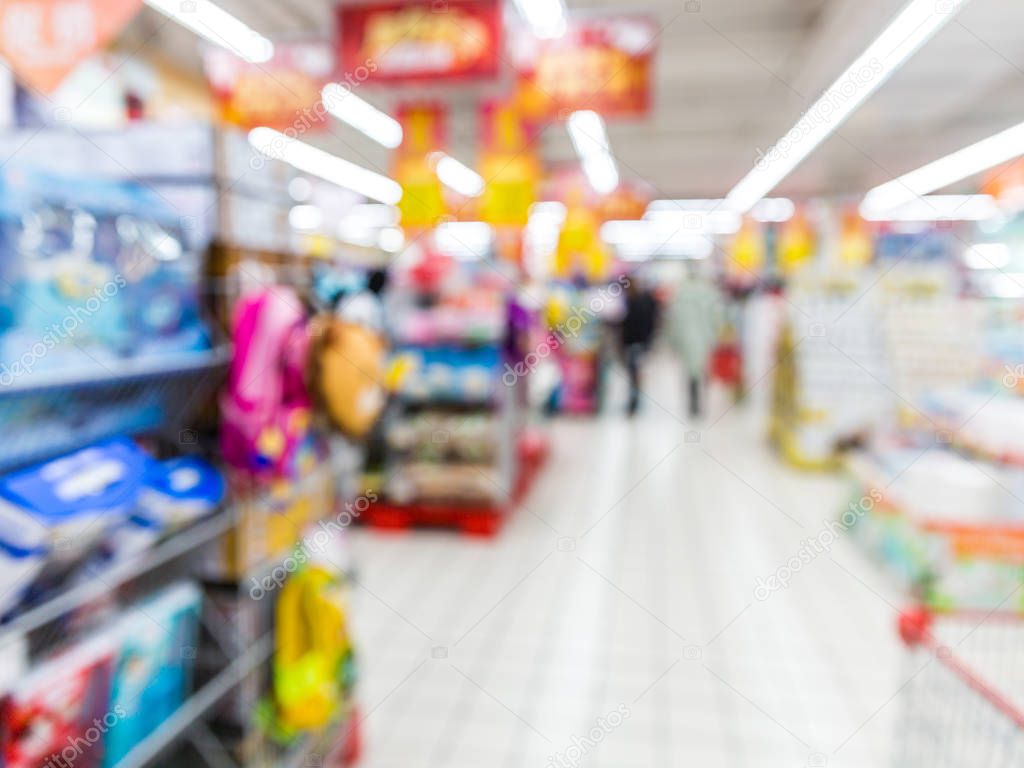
(617, 621)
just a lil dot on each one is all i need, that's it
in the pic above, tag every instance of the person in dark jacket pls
(638, 325)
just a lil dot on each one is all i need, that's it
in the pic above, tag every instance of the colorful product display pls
(105, 694)
(68, 517)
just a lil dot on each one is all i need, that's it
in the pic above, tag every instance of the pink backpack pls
(265, 407)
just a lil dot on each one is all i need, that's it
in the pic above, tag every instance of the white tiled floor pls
(614, 621)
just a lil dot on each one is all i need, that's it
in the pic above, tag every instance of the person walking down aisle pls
(694, 322)
(638, 325)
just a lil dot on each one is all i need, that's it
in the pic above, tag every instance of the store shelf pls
(177, 546)
(51, 413)
(196, 707)
(108, 373)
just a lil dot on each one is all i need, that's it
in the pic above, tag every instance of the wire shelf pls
(49, 413)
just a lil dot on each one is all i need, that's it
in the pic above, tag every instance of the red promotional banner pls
(44, 40)
(425, 40)
(601, 64)
(281, 93)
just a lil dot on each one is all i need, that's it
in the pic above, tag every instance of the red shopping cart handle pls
(915, 626)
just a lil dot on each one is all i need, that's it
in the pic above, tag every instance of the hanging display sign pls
(628, 201)
(281, 93)
(423, 126)
(509, 166)
(44, 40)
(421, 40)
(601, 64)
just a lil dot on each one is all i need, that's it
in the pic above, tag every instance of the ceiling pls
(732, 76)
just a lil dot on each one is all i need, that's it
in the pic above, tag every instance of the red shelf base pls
(472, 521)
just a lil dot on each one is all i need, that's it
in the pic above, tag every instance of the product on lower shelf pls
(153, 673)
(68, 519)
(93, 703)
(53, 710)
(427, 482)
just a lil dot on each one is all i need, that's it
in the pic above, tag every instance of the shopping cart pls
(964, 701)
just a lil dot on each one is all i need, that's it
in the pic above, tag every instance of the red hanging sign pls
(601, 64)
(44, 40)
(420, 40)
(281, 93)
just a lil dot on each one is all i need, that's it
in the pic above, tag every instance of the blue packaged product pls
(179, 491)
(76, 499)
(154, 666)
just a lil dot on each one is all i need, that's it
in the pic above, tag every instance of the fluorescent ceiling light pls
(213, 23)
(305, 217)
(645, 239)
(464, 240)
(724, 222)
(362, 115)
(589, 138)
(601, 173)
(316, 162)
(720, 217)
(936, 208)
(457, 176)
(1007, 285)
(774, 210)
(950, 169)
(373, 215)
(391, 239)
(912, 28)
(987, 256)
(547, 18)
(300, 188)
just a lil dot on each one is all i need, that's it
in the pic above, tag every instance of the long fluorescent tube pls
(458, 176)
(988, 256)
(316, 162)
(464, 240)
(602, 173)
(936, 208)
(912, 28)
(590, 140)
(362, 115)
(987, 153)
(546, 17)
(638, 240)
(213, 23)
(715, 216)
(305, 217)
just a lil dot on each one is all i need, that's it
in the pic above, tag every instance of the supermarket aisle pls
(617, 621)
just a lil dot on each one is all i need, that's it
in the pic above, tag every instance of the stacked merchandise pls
(116, 536)
(857, 347)
(455, 425)
(828, 385)
(577, 332)
(949, 482)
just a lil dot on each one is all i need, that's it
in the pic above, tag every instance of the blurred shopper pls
(638, 325)
(694, 322)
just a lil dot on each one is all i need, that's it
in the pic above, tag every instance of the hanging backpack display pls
(265, 406)
(347, 373)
